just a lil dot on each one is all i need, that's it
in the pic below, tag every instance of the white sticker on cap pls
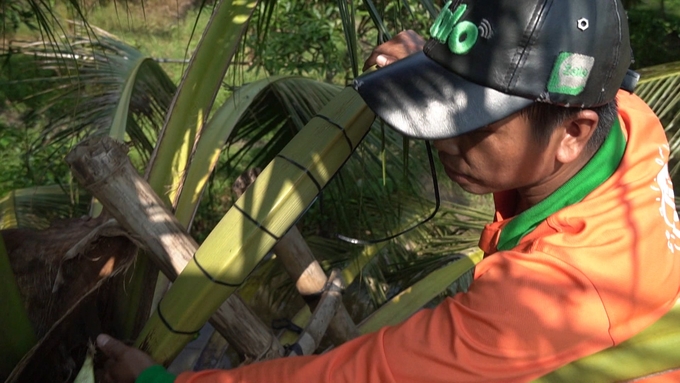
(570, 73)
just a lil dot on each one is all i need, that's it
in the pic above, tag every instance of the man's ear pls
(575, 133)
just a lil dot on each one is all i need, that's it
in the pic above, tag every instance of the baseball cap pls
(488, 59)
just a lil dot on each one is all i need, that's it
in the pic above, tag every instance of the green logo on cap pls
(570, 73)
(459, 37)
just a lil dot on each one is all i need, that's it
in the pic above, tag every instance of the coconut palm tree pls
(115, 109)
(176, 142)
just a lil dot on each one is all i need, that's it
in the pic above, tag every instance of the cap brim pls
(421, 99)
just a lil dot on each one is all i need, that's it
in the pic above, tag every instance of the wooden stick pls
(329, 303)
(101, 165)
(298, 260)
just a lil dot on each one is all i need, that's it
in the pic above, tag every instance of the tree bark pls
(101, 165)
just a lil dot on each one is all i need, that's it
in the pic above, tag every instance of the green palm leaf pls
(193, 101)
(16, 333)
(262, 117)
(38, 206)
(659, 87)
(103, 79)
(273, 119)
(270, 111)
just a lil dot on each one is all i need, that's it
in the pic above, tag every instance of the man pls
(521, 99)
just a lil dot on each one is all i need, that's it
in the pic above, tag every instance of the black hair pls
(544, 118)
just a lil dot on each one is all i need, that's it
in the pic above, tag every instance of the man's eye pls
(485, 131)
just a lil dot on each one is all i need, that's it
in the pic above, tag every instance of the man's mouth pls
(456, 176)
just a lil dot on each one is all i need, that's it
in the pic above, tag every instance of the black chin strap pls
(435, 185)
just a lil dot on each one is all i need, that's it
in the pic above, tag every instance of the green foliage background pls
(303, 38)
(655, 36)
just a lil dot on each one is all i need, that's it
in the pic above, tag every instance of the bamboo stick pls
(302, 267)
(101, 165)
(249, 230)
(330, 302)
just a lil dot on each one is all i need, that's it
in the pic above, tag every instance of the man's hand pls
(123, 363)
(400, 46)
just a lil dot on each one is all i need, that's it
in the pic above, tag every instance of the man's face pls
(502, 156)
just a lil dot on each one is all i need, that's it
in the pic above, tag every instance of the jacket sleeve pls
(520, 319)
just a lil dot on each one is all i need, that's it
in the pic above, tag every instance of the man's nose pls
(447, 145)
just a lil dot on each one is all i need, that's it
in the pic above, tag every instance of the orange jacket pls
(587, 277)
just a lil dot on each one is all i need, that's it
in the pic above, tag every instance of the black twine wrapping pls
(342, 129)
(167, 324)
(212, 279)
(437, 197)
(318, 185)
(256, 223)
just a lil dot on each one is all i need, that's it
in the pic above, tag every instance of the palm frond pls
(88, 79)
(273, 119)
(652, 352)
(38, 15)
(377, 189)
(16, 332)
(659, 87)
(194, 98)
(348, 17)
(38, 206)
(253, 112)
(365, 189)
(412, 299)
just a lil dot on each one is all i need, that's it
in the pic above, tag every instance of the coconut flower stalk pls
(249, 230)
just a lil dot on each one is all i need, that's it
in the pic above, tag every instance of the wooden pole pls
(298, 260)
(322, 317)
(101, 165)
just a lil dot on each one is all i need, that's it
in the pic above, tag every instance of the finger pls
(400, 46)
(370, 61)
(380, 60)
(111, 347)
(384, 60)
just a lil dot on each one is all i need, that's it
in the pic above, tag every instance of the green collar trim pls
(594, 173)
(155, 374)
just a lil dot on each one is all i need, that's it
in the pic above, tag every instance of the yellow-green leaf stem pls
(415, 297)
(654, 350)
(8, 212)
(120, 116)
(210, 143)
(196, 94)
(188, 111)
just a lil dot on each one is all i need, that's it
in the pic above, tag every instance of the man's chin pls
(473, 188)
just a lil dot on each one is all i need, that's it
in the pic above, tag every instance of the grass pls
(158, 32)
(154, 34)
